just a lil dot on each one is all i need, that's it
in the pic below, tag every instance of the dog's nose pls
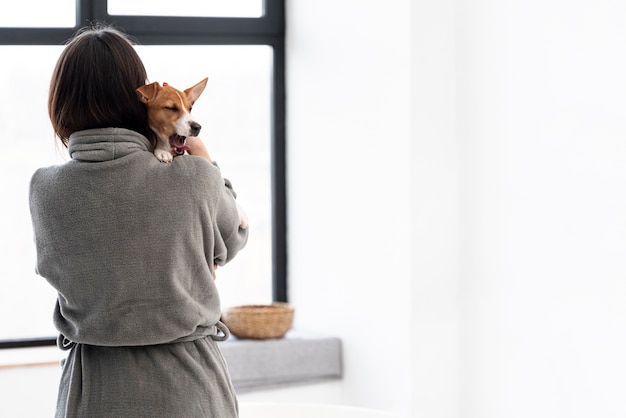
(195, 128)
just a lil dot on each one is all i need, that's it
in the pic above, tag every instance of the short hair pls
(93, 84)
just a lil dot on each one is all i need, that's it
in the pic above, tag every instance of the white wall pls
(542, 132)
(514, 287)
(349, 188)
(373, 196)
(435, 212)
(29, 392)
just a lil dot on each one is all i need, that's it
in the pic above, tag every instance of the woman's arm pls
(197, 147)
(237, 240)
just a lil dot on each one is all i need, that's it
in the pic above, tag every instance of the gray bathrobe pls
(129, 243)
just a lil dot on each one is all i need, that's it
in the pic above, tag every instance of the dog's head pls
(169, 112)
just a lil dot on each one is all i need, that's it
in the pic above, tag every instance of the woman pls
(131, 245)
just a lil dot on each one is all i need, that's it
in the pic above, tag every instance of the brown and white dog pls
(169, 116)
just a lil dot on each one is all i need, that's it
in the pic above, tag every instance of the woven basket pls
(259, 321)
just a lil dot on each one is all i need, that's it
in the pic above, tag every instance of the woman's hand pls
(197, 147)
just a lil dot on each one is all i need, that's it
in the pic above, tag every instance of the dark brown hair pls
(93, 84)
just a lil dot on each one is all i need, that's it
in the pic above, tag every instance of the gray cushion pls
(294, 359)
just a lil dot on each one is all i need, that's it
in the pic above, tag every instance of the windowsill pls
(298, 358)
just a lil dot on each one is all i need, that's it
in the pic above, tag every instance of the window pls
(243, 58)
(39, 13)
(205, 8)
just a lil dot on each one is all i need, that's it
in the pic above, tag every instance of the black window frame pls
(269, 29)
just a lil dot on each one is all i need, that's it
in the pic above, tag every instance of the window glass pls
(234, 111)
(205, 8)
(39, 13)
(26, 300)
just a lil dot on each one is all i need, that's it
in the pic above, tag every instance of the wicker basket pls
(259, 321)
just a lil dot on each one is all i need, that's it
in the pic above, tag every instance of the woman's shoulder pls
(45, 174)
(197, 173)
(196, 166)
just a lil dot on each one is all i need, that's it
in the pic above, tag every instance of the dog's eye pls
(172, 108)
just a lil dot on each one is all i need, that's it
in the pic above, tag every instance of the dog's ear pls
(148, 92)
(194, 92)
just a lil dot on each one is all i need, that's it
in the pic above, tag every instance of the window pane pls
(26, 300)
(234, 112)
(39, 13)
(204, 8)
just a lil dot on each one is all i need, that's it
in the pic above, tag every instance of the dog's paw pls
(164, 156)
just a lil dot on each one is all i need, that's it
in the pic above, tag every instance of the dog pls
(169, 116)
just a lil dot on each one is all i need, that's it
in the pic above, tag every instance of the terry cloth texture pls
(129, 243)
